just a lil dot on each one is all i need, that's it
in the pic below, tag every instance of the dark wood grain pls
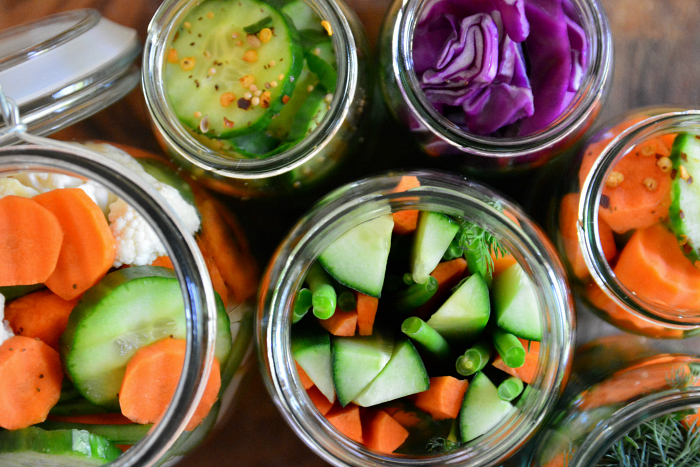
(657, 61)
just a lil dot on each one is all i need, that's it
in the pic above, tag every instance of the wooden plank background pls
(657, 61)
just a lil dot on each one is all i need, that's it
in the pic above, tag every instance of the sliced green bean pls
(426, 336)
(324, 299)
(347, 301)
(509, 348)
(408, 279)
(416, 295)
(474, 359)
(302, 304)
(510, 388)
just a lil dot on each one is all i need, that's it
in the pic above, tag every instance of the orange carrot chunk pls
(526, 372)
(383, 434)
(653, 266)
(88, 248)
(323, 405)
(41, 314)
(346, 420)
(342, 323)
(405, 222)
(151, 378)
(163, 261)
(305, 380)
(502, 263)
(444, 397)
(30, 381)
(366, 312)
(30, 241)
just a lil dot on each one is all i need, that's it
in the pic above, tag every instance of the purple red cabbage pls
(500, 66)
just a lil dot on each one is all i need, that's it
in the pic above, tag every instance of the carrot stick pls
(216, 279)
(405, 222)
(444, 397)
(448, 274)
(366, 312)
(93, 419)
(346, 420)
(323, 405)
(382, 433)
(30, 381)
(151, 378)
(30, 241)
(305, 380)
(526, 372)
(88, 248)
(342, 323)
(41, 314)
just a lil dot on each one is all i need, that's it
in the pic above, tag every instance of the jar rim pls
(362, 201)
(166, 20)
(572, 120)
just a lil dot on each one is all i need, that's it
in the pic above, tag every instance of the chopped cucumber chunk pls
(515, 304)
(311, 347)
(465, 313)
(482, 408)
(433, 236)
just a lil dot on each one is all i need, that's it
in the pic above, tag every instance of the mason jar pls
(620, 196)
(367, 199)
(631, 399)
(488, 155)
(325, 153)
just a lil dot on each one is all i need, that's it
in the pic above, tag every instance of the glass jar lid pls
(65, 67)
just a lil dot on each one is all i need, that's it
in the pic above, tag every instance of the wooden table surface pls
(657, 61)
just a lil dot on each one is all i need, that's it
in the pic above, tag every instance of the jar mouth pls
(581, 109)
(589, 206)
(366, 199)
(199, 300)
(161, 31)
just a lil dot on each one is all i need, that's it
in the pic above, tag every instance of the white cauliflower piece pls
(5, 329)
(137, 243)
(11, 186)
(185, 211)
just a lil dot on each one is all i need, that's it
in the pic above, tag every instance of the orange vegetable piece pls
(342, 323)
(382, 433)
(323, 405)
(123, 447)
(405, 222)
(93, 419)
(526, 372)
(41, 314)
(448, 274)
(30, 241)
(88, 248)
(30, 381)
(151, 378)
(444, 397)
(502, 263)
(366, 312)
(406, 418)
(163, 261)
(216, 279)
(346, 420)
(305, 380)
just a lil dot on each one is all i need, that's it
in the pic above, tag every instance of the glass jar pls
(326, 152)
(592, 225)
(483, 155)
(216, 258)
(620, 384)
(366, 199)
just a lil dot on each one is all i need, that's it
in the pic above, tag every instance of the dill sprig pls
(441, 445)
(684, 376)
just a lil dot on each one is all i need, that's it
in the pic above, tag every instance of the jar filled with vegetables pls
(258, 98)
(630, 403)
(626, 225)
(415, 316)
(496, 85)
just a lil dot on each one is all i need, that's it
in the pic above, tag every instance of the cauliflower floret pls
(186, 212)
(5, 329)
(11, 186)
(137, 243)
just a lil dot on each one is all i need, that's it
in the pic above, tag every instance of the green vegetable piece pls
(427, 337)
(116, 434)
(510, 388)
(347, 301)
(324, 298)
(303, 16)
(509, 348)
(311, 348)
(482, 409)
(684, 212)
(255, 28)
(433, 235)
(515, 304)
(326, 72)
(408, 279)
(474, 359)
(301, 305)
(15, 291)
(416, 295)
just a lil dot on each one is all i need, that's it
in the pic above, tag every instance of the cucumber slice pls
(310, 115)
(465, 313)
(357, 259)
(311, 347)
(515, 304)
(684, 211)
(130, 433)
(15, 291)
(63, 448)
(357, 361)
(482, 409)
(280, 125)
(255, 145)
(303, 16)
(433, 236)
(195, 93)
(325, 71)
(128, 309)
(325, 51)
(403, 375)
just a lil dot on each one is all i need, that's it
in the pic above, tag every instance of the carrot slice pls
(151, 378)
(444, 397)
(342, 323)
(41, 314)
(30, 241)
(30, 381)
(216, 279)
(366, 312)
(163, 261)
(305, 380)
(653, 266)
(405, 222)
(448, 274)
(382, 433)
(93, 419)
(526, 372)
(346, 420)
(323, 405)
(88, 248)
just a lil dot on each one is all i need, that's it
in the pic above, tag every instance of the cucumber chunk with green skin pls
(311, 348)
(15, 291)
(130, 433)
(356, 361)
(128, 309)
(684, 211)
(357, 259)
(217, 63)
(62, 448)
(433, 236)
(482, 408)
(515, 304)
(303, 16)
(403, 375)
(465, 314)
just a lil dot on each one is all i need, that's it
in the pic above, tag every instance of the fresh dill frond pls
(684, 376)
(478, 244)
(442, 445)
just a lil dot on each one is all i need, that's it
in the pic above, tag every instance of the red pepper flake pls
(243, 103)
(228, 123)
(285, 99)
(690, 180)
(605, 201)
(687, 249)
(684, 156)
(674, 172)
